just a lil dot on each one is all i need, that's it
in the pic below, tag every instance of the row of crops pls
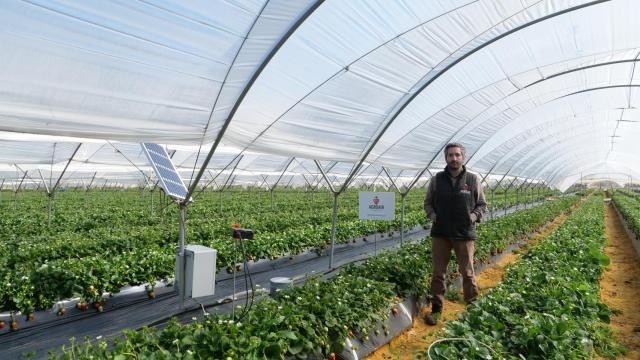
(547, 306)
(112, 239)
(99, 242)
(318, 316)
(628, 203)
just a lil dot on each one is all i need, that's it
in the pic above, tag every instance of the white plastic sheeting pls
(541, 89)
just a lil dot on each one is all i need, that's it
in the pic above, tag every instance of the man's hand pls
(473, 217)
(432, 217)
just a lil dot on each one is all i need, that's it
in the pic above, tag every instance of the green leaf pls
(296, 347)
(273, 351)
(287, 334)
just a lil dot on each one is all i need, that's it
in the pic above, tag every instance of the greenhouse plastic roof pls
(538, 89)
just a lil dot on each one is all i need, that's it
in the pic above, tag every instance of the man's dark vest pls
(453, 203)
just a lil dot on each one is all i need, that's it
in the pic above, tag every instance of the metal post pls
(333, 227)
(402, 196)
(220, 191)
(493, 204)
(375, 244)
(505, 200)
(15, 195)
(180, 261)
(271, 193)
(539, 188)
(233, 295)
(505, 194)
(279, 178)
(50, 197)
(335, 210)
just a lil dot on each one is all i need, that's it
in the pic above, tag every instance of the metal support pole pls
(493, 204)
(505, 195)
(505, 200)
(180, 260)
(403, 197)
(50, 197)
(333, 227)
(15, 195)
(335, 211)
(271, 195)
(220, 191)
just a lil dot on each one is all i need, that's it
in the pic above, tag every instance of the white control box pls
(200, 271)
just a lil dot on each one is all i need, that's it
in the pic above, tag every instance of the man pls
(454, 203)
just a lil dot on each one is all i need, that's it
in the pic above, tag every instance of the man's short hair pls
(450, 145)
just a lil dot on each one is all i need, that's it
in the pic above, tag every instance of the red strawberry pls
(332, 356)
(1, 324)
(350, 333)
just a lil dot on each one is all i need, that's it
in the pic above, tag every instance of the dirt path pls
(620, 285)
(421, 335)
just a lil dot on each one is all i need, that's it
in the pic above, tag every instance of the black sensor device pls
(246, 234)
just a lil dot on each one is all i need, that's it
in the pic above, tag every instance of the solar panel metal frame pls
(170, 180)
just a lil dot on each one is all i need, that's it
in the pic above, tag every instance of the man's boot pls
(432, 319)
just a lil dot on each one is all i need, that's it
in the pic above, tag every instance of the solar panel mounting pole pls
(173, 185)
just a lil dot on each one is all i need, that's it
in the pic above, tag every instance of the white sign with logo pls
(377, 205)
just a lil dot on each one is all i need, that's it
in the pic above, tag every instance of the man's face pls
(454, 158)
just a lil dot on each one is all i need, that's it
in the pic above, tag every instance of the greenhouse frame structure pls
(336, 91)
(317, 94)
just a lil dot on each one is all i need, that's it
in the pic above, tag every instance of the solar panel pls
(170, 180)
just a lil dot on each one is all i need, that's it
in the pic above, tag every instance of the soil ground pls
(620, 285)
(421, 335)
